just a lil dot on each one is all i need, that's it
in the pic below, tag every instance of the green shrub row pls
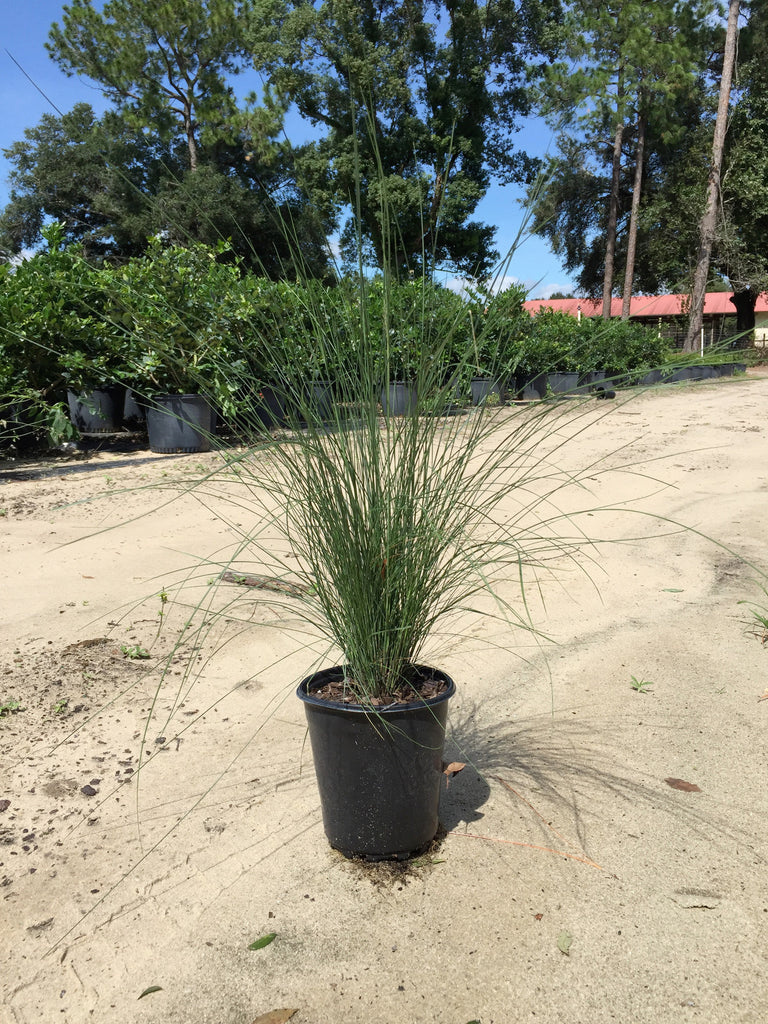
(186, 319)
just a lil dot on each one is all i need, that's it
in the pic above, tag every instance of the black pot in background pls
(179, 423)
(270, 408)
(379, 773)
(16, 431)
(134, 410)
(533, 389)
(682, 373)
(650, 378)
(319, 399)
(703, 372)
(560, 382)
(483, 388)
(398, 399)
(99, 411)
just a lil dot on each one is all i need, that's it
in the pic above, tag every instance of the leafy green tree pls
(223, 171)
(625, 70)
(113, 188)
(418, 103)
(268, 223)
(95, 176)
(162, 64)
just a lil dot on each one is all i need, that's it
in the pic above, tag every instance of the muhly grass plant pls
(395, 524)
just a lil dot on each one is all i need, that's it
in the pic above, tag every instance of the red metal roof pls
(715, 303)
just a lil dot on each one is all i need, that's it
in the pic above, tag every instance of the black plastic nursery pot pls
(379, 773)
(319, 398)
(16, 430)
(134, 410)
(562, 382)
(651, 377)
(398, 399)
(270, 408)
(533, 389)
(179, 423)
(99, 411)
(483, 388)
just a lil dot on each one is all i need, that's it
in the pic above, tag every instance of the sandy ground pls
(574, 884)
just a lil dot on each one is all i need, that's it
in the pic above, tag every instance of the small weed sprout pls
(9, 707)
(759, 618)
(641, 685)
(134, 651)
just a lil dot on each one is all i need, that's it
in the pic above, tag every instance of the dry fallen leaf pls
(449, 770)
(682, 785)
(275, 1017)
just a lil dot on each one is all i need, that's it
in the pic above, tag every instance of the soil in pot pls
(379, 772)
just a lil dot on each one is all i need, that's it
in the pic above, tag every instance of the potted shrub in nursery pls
(399, 336)
(557, 341)
(96, 361)
(55, 341)
(631, 353)
(174, 305)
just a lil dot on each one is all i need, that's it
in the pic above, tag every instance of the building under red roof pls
(646, 306)
(668, 312)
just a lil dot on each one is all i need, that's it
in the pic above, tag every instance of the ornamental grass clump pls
(391, 521)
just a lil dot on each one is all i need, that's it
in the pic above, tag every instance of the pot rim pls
(304, 694)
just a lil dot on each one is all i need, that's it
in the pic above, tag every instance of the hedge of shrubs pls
(186, 319)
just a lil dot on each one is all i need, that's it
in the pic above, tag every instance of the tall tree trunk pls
(189, 129)
(629, 270)
(191, 146)
(613, 204)
(708, 223)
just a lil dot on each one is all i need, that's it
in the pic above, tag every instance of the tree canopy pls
(414, 106)
(417, 104)
(164, 65)
(628, 87)
(92, 175)
(113, 188)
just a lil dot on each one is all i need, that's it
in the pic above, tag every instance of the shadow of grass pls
(568, 777)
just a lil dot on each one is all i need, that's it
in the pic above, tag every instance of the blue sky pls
(25, 30)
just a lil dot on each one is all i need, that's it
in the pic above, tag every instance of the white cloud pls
(536, 290)
(463, 285)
